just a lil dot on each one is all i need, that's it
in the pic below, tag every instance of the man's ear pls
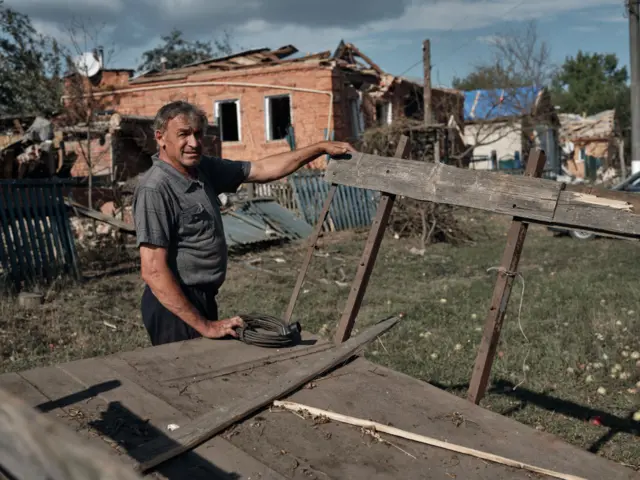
(159, 138)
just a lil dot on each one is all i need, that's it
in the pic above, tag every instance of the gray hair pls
(175, 109)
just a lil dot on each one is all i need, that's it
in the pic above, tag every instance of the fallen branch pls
(298, 408)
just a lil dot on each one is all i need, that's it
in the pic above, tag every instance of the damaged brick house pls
(267, 101)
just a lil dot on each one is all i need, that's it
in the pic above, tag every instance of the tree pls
(590, 83)
(176, 52)
(82, 105)
(30, 67)
(519, 58)
(520, 64)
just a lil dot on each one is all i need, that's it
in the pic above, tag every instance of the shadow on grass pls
(565, 407)
(131, 432)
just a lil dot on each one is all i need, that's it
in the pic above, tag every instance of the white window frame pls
(268, 134)
(217, 119)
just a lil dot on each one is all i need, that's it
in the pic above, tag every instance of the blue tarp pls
(500, 103)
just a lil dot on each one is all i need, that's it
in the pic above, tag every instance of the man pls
(179, 228)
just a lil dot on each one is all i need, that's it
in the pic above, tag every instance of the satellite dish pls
(87, 64)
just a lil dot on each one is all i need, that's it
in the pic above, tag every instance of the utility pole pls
(427, 100)
(633, 7)
(426, 59)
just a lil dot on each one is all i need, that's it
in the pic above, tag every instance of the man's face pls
(181, 141)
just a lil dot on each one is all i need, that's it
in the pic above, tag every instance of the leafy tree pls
(177, 52)
(30, 67)
(589, 83)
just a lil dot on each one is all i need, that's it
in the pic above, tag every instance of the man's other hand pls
(222, 328)
(337, 149)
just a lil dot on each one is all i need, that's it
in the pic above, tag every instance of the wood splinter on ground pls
(379, 427)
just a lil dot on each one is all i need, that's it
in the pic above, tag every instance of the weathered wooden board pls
(125, 414)
(207, 426)
(365, 390)
(530, 199)
(118, 399)
(27, 452)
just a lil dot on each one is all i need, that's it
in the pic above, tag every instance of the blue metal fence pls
(351, 207)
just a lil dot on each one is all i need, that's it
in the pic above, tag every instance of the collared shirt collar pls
(183, 181)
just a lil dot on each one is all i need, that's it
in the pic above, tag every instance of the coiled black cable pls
(268, 331)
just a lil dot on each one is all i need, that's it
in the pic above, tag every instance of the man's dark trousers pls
(165, 327)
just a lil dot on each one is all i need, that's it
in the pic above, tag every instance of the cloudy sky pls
(390, 33)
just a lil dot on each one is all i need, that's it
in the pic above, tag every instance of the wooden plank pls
(529, 198)
(26, 214)
(41, 233)
(12, 250)
(313, 239)
(48, 199)
(22, 226)
(216, 458)
(66, 227)
(193, 434)
(46, 229)
(17, 241)
(33, 446)
(533, 200)
(502, 291)
(101, 217)
(400, 400)
(369, 255)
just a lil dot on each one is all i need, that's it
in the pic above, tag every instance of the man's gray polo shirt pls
(175, 212)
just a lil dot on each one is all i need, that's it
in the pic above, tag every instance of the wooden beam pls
(533, 200)
(313, 239)
(32, 446)
(376, 234)
(101, 217)
(501, 293)
(201, 429)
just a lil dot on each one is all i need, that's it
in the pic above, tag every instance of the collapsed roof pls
(600, 126)
(346, 56)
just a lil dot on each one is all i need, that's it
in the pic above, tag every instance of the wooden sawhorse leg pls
(376, 234)
(313, 240)
(501, 293)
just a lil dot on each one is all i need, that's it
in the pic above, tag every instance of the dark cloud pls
(134, 23)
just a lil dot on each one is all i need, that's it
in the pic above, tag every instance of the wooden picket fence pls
(36, 241)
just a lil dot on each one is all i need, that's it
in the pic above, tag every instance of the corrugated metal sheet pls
(262, 220)
(278, 217)
(499, 103)
(351, 207)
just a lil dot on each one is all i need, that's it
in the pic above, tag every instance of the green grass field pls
(575, 359)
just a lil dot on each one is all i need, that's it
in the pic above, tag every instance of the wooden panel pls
(607, 214)
(529, 199)
(34, 447)
(517, 196)
(404, 402)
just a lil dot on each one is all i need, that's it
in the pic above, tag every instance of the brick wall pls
(309, 111)
(76, 153)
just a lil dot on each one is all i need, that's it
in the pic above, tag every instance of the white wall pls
(504, 138)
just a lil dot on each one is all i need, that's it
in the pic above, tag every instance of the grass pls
(580, 314)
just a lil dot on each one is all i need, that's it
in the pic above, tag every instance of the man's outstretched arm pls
(280, 165)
